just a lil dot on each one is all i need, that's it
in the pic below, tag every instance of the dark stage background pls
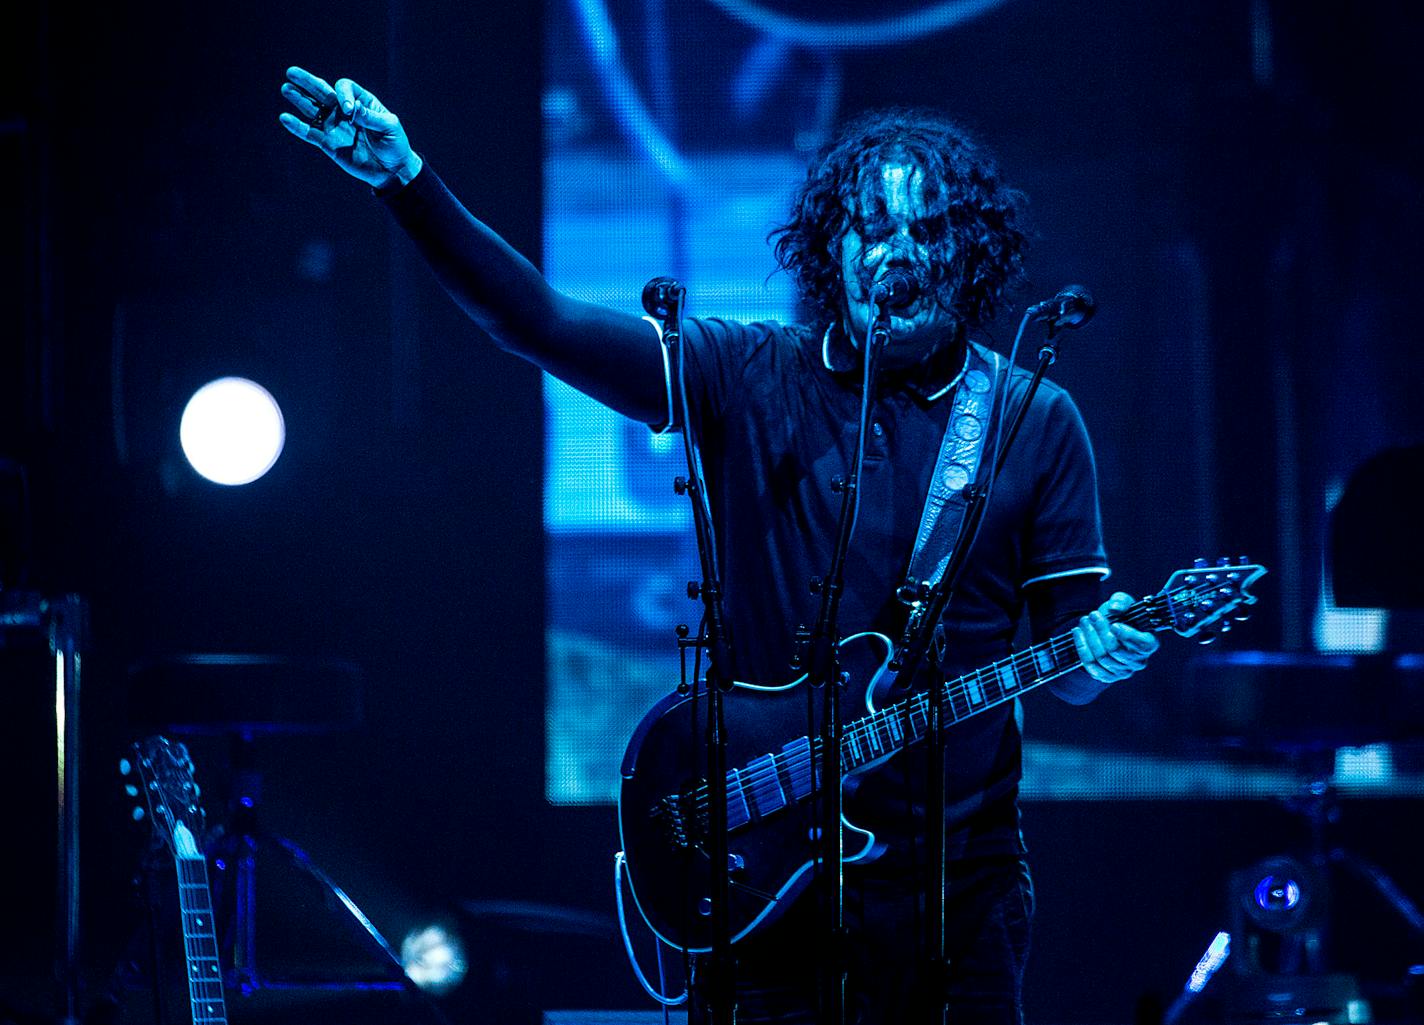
(1238, 181)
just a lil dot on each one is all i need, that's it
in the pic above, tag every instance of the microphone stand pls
(721, 990)
(824, 673)
(923, 636)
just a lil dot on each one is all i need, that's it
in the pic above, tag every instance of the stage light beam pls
(232, 431)
(434, 959)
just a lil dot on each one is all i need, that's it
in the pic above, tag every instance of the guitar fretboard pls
(200, 943)
(769, 783)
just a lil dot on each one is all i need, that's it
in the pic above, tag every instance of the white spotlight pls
(434, 959)
(232, 431)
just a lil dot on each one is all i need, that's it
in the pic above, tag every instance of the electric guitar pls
(663, 804)
(163, 777)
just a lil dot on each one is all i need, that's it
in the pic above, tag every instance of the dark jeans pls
(988, 907)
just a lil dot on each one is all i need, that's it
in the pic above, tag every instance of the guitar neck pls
(884, 731)
(200, 942)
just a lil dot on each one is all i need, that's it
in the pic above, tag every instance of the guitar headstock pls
(160, 774)
(1203, 601)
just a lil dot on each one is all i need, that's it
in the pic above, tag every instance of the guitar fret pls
(892, 724)
(766, 794)
(796, 756)
(738, 813)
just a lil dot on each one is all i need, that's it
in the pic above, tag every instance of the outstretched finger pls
(301, 129)
(319, 89)
(305, 106)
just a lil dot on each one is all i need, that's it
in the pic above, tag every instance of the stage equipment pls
(665, 298)
(63, 623)
(1301, 703)
(1303, 707)
(1074, 306)
(434, 958)
(924, 639)
(1215, 955)
(1376, 549)
(168, 795)
(819, 649)
(242, 697)
(232, 431)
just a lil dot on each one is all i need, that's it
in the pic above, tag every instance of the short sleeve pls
(716, 354)
(1065, 531)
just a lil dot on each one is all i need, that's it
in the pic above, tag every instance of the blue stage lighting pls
(1277, 893)
(434, 959)
(232, 431)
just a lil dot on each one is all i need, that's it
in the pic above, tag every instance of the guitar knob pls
(1242, 617)
(735, 863)
(1223, 561)
(1199, 563)
(704, 906)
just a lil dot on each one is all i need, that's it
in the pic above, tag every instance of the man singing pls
(776, 409)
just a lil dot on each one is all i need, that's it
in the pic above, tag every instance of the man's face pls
(895, 226)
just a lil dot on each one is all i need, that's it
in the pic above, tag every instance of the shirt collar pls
(839, 356)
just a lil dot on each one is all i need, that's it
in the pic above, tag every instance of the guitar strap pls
(957, 465)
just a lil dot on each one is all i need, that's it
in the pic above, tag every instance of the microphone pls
(660, 296)
(1073, 306)
(896, 290)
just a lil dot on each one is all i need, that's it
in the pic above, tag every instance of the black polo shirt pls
(776, 409)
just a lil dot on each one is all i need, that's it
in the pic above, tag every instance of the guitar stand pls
(240, 697)
(235, 858)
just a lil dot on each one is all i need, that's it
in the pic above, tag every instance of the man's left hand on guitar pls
(1112, 651)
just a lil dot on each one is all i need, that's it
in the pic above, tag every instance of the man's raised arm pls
(612, 357)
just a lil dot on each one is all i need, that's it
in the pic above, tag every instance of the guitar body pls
(772, 850)
(772, 823)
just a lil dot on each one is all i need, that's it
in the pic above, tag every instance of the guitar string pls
(867, 727)
(199, 989)
(760, 781)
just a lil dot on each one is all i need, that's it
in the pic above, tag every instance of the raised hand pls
(351, 126)
(1112, 651)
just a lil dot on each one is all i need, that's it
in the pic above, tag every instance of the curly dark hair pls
(974, 264)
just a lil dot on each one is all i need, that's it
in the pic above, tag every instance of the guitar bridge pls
(668, 814)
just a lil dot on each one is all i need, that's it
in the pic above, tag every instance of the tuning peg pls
(137, 813)
(130, 789)
(125, 766)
